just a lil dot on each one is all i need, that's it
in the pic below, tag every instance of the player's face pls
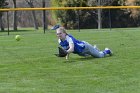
(60, 34)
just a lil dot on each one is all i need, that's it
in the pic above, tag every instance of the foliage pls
(88, 18)
(3, 3)
(69, 18)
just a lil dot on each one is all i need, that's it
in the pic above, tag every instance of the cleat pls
(108, 51)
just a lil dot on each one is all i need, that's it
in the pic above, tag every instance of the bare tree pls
(14, 16)
(1, 22)
(30, 3)
(99, 11)
(3, 4)
(99, 15)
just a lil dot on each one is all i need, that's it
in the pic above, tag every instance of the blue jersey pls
(78, 45)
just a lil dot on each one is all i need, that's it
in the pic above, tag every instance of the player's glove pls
(62, 52)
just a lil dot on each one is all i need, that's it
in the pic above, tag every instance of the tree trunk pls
(30, 3)
(1, 22)
(35, 20)
(14, 16)
(99, 15)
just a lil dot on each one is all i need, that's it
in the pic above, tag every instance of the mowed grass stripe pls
(29, 66)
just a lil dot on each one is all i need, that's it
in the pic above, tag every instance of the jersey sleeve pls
(69, 39)
(59, 41)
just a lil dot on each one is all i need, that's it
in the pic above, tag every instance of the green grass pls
(29, 66)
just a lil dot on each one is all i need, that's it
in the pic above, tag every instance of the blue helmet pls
(55, 27)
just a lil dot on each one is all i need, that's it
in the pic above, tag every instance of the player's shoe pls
(108, 51)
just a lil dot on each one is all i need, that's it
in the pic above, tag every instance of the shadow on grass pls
(20, 32)
(78, 59)
(81, 59)
(6, 31)
(16, 30)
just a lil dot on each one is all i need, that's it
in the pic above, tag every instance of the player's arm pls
(70, 50)
(71, 46)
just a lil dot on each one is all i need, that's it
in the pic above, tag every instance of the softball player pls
(82, 48)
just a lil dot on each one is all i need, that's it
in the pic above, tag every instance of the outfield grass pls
(29, 66)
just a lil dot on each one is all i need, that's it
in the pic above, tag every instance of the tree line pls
(70, 19)
(25, 18)
(115, 18)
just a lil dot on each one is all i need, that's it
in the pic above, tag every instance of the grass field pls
(29, 65)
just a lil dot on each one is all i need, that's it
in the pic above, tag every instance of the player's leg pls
(93, 51)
